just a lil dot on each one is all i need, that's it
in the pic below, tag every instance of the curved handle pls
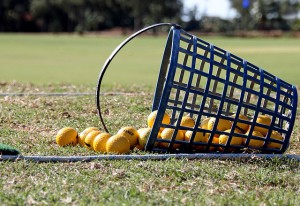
(110, 58)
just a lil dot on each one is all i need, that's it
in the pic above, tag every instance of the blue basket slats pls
(201, 80)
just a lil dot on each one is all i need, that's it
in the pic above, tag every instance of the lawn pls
(30, 124)
(61, 63)
(79, 59)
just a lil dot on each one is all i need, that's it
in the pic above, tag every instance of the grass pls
(75, 59)
(62, 63)
(171, 182)
(30, 123)
(78, 60)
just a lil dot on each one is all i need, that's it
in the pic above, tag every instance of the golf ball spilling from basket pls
(225, 95)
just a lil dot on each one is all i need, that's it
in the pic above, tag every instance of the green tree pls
(86, 15)
(266, 14)
(244, 14)
(155, 11)
(15, 16)
(277, 14)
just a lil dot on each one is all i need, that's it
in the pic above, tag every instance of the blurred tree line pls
(260, 15)
(267, 14)
(95, 15)
(85, 15)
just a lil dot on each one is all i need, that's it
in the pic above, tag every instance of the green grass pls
(79, 59)
(30, 124)
(62, 63)
(171, 182)
(76, 59)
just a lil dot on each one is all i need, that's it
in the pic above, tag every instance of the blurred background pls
(228, 17)
(68, 41)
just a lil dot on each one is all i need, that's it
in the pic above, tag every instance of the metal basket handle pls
(110, 58)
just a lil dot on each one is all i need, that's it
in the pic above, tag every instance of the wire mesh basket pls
(235, 106)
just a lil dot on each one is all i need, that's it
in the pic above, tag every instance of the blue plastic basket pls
(201, 80)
